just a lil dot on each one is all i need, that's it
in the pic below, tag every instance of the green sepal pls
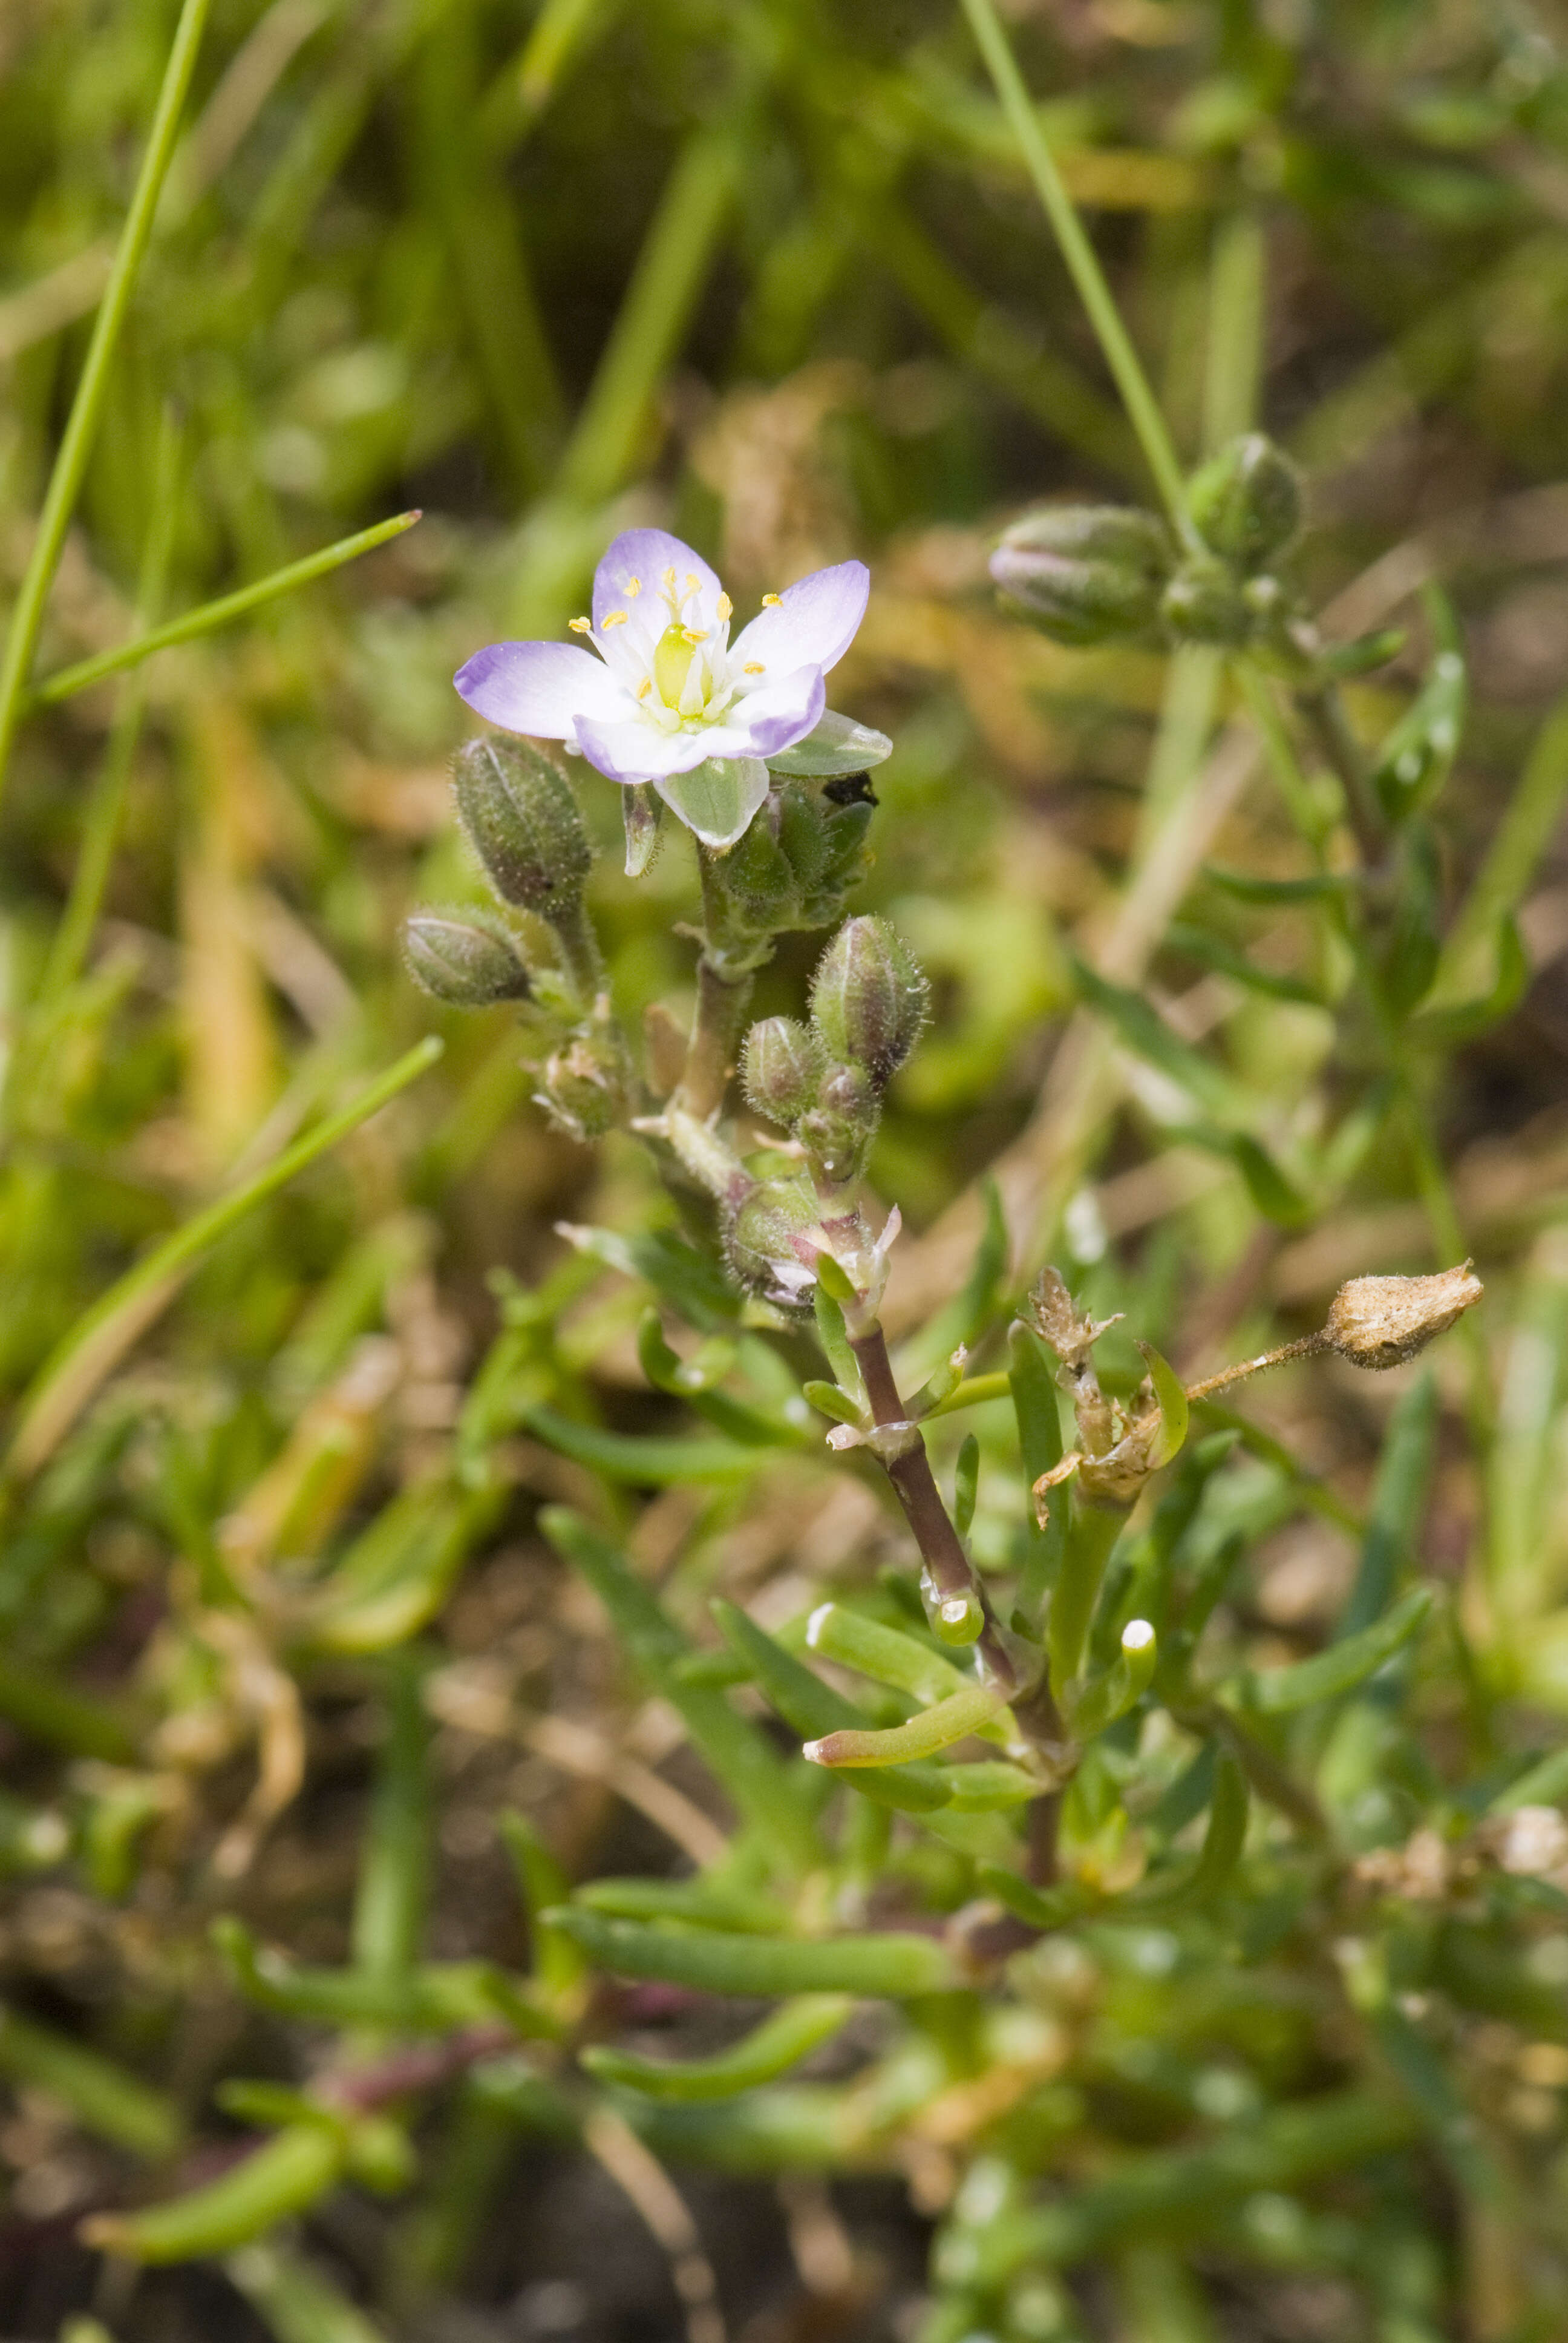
(838, 745)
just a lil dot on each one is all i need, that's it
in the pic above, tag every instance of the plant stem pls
(1304, 1348)
(915, 1486)
(1083, 265)
(76, 446)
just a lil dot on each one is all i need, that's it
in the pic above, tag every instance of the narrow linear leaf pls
(1344, 1665)
(891, 1965)
(780, 2042)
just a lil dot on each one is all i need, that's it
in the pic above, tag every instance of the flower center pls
(673, 656)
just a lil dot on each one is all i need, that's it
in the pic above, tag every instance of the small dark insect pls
(850, 788)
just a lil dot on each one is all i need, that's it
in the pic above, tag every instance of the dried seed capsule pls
(781, 1068)
(471, 962)
(1247, 500)
(523, 820)
(1085, 573)
(760, 1239)
(581, 1089)
(869, 998)
(1380, 1322)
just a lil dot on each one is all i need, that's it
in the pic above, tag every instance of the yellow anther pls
(667, 580)
(645, 687)
(694, 635)
(724, 608)
(633, 589)
(692, 582)
(614, 619)
(753, 666)
(771, 601)
(581, 625)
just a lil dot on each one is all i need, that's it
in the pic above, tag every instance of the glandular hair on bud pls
(1247, 500)
(523, 821)
(869, 998)
(1085, 573)
(469, 960)
(781, 1064)
(1382, 1321)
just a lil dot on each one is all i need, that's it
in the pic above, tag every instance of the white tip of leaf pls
(816, 1623)
(1137, 1636)
(812, 1752)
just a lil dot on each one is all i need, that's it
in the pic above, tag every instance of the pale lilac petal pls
(776, 717)
(648, 553)
(812, 624)
(538, 688)
(638, 751)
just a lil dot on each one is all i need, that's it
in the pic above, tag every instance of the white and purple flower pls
(670, 700)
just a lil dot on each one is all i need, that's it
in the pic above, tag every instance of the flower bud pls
(581, 1089)
(781, 1068)
(1382, 1321)
(869, 998)
(1247, 500)
(1203, 604)
(469, 962)
(760, 1241)
(1085, 573)
(523, 820)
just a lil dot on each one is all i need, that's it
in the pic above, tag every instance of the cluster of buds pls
(824, 1082)
(527, 833)
(1088, 574)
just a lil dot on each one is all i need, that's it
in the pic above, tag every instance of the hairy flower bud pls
(1204, 604)
(1382, 1321)
(869, 998)
(1247, 500)
(781, 1068)
(469, 962)
(1085, 573)
(523, 820)
(761, 1236)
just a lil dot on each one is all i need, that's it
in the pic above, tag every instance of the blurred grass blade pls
(100, 1338)
(780, 2042)
(1142, 407)
(282, 2176)
(296, 2301)
(220, 613)
(102, 2096)
(106, 803)
(81, 427)
(1344, 1665)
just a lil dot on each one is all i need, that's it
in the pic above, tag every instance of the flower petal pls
(647, 554)
(638, 751)
(538, 688)
(812, 624)
(717, 797)
(774, 717)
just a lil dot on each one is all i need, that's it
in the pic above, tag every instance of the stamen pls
(633, 589)
(753, 666)
(645, 687)
(614, 619)
(693, 637)
(724, 608)
(692, 582)
(581, 625)
(667, 580)
(771, 601)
